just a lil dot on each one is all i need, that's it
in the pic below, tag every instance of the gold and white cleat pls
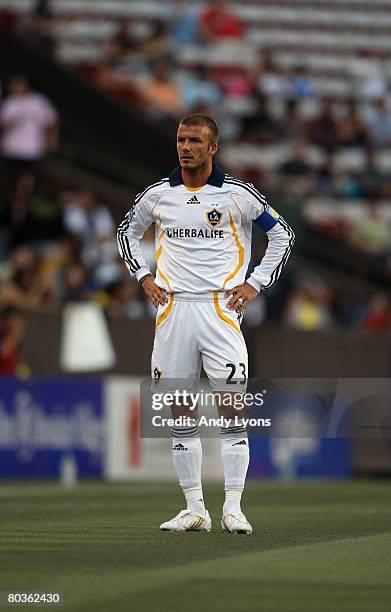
(236, 524)
(188, 521)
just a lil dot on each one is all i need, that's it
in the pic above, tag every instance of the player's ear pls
(213, 148)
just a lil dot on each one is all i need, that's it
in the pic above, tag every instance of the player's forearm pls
(130, 251)
(128, 240)
(281, 239)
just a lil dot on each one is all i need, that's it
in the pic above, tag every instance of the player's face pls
(194, 147)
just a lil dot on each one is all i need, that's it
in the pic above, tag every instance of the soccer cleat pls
(236, 524)
(187, 520)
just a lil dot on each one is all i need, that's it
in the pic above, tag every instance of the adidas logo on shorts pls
(179, 447)
(193, 200)
(241, 443)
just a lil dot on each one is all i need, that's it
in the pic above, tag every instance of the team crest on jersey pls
(214, 217)
(157, 375)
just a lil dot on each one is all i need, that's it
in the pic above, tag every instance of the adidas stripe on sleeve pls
(280, 236)
(130, 231)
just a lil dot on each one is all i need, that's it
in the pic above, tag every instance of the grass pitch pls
(316, 547)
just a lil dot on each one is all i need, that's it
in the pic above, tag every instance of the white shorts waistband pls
(196, 297)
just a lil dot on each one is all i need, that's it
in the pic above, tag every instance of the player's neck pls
(198, 178)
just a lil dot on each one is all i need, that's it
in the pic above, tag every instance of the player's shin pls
(235, 456)
(187, 458)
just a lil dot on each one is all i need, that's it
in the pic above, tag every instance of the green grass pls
(315, 547)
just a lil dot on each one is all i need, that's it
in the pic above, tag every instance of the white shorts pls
(194, 330)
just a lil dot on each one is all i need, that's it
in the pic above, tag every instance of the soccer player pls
(203, 222)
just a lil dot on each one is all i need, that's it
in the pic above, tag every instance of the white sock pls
(187, 458)
(235, 456)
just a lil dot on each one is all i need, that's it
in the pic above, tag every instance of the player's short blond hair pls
(202, 120)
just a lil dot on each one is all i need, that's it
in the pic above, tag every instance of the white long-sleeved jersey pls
(203, 236)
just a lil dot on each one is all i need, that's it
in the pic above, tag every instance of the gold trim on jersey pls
(192, 188)
(240, 248)
(166, 312)
(220, 313)
(158, 270)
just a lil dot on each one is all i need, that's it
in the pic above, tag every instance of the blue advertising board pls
(44, 422)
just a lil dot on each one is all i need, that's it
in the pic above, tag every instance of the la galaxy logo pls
(157, 374)
(214, 217)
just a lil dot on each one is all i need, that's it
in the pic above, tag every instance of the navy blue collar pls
(216, 177)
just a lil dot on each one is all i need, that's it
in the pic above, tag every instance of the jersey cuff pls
(257, 286)
(142, 272)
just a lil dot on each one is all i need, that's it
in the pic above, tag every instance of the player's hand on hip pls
(155, 293)
(241, 296)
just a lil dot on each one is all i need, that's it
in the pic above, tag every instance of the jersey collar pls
(216, 177)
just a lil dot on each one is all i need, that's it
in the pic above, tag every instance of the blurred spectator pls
(74, 286)
(124, 300)
(379, 123)
(158, 44)
(200, 93)
(260, 126)
(297, 163)
(269, 78)
(323, 129)
(12, 331)
(36, 213)
(371, 234)
(370, 180)
(93, 225)
(26, 288)
(114, 54)
(299, 84)
(309, 307)
(218, 23)
(378, 317)
(29, 126)
(184, 23)
(161, 94)
(369, 80)
(351, 128)
(41, 29)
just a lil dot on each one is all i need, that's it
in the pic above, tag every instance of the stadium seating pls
(324, 37)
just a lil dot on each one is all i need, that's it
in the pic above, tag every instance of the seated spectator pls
(184, 24)
(378, 317)
(299, 84)
(260, 126)
(218, 23)
(199, 92)
(93, 225)
(12, 332)
(309, 307)
(269, 78)
(371, 180)
(158, 44)
(379, 123)
(124, 300)
(36, 215)
(40, 29)
(297, 163)
(322, 129)
(26, 289)
(114, 54)
(372, 234)
(75, 284)
(161, 94)
(351, 129)
(29, 125)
